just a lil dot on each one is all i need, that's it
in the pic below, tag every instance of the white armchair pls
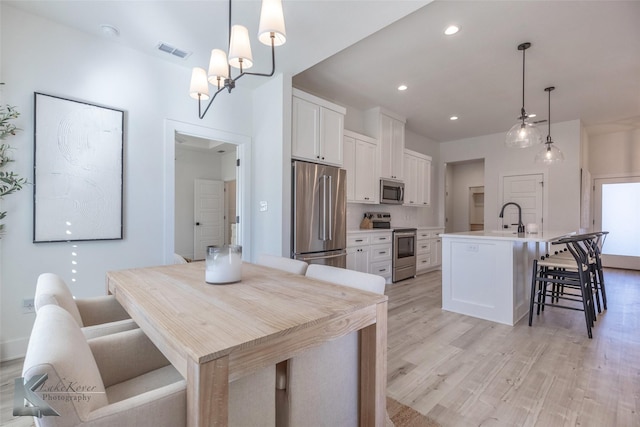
(322, 384)
(123, 380)
(96, 316)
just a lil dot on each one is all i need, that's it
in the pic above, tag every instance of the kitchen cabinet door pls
(305, 129)
(359, 159)
(366, 188)
(411, 180)
(391, 147)
(424, 182)
(331, 134)
(349, 164)
(358, 259)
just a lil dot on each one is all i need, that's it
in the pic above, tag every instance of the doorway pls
(240, 149)
(616, 207)
(202, 167)
(464, 196)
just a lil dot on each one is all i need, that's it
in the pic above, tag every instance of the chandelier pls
(271, 32)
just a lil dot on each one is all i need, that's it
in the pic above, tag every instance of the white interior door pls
(616, 207)
(208, 216)
(526, 191)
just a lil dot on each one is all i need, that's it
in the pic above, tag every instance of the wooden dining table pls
(216, 334)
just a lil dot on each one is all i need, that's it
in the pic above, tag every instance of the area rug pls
(404, 416)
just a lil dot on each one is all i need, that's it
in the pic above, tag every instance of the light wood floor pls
(463, 371)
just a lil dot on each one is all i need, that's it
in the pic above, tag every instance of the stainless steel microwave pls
(391, 192)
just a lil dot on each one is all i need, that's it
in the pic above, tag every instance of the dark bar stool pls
(551, 275)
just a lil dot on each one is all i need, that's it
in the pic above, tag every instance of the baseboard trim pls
(14, 349)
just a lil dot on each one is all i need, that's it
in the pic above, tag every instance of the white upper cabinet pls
(390, 131)
(360, 160)
(317, 129)
(417, 180)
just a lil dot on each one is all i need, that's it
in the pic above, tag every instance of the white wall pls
(562, 190)
(615, 153)
(271, 229)
(39, 55)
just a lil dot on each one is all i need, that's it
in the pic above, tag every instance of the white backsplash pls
(401, 216)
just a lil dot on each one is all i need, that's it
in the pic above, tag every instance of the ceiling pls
(590, 51)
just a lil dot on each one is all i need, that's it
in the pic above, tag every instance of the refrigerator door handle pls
(329, 210)
(324, 208)
(311, 258)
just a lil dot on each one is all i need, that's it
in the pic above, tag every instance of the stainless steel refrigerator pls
(319, 234)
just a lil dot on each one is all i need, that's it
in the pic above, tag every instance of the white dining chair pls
(322, 384)
(96, 316)
(281, 263)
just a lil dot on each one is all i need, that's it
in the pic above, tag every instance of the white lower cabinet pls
(370, 252)
(429, 249)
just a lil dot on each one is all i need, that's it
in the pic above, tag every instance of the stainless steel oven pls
(404, 253)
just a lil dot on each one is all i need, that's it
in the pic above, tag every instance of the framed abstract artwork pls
(78, 171)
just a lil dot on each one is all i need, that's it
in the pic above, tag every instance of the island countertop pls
(546, 236)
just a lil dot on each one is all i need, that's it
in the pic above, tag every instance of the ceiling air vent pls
(167, 48)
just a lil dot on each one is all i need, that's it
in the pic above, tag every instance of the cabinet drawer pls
(380, 252)
(423, 234)
(358, 240)
(381, 268)
(381, 238)
(423, 247)
(423, 261)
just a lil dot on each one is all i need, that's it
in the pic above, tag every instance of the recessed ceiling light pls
(453, 118)
(402, 87)
(451, 30)
(109, 30)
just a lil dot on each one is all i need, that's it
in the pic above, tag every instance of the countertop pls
(546, 236)
(381, 230)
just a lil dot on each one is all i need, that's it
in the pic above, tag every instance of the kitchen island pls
(487, 274)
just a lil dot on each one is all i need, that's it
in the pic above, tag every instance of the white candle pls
(225, 267)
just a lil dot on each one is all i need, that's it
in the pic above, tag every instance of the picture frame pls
(78, 171)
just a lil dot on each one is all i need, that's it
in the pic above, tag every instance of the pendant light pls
(524, 133)
(550, 154)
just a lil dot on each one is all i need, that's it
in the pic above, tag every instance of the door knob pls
(197, 223)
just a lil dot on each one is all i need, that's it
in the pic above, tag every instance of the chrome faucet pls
(520, 224)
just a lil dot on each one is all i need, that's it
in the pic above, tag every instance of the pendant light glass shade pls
(550, 154)
(524, 133)
(272, 21)
(240, 48)
(199, 88)
(218, 68)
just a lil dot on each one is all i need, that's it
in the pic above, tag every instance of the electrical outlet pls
(28, 306)
(264, 206)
